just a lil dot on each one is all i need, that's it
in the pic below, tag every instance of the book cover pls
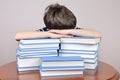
(31, 51)
(28, 62)
(62, 61)
(83, 47)
(49, 68)
(82, 40)
(78, 51)
(29, 46)
(39, 41)
(61, 73)
(91, 66)
(84, 56)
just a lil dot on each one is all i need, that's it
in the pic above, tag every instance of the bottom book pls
(27, 69)
(61, 73)
(62, 66)
(28, 64)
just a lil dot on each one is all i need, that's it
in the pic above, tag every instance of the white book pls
(82, 40)
(91, 60)
(45, 68)
(83, 47)
(85, 56)
(62, 61)
(36, 51)
(40, 41)
(37, 55)
(28, 62)
(24, 69)
(77, 51)
(22, 46)
(91, 66)
(61, 73)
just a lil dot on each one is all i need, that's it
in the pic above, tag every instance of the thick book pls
(62, 61)
(51, 68)
(28, 62)
(26, 69)
(40, 41)
(83, 47)
(91, 66)
(42, 46)
(85, 56)
(37, 55)
(82, 40)
(38, 49)
(61, 73)
(31, 51)
(78, 51)
(93, 60)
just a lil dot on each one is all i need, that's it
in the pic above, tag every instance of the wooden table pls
(104, 72)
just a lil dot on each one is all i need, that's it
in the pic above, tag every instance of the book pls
(40, 41)
(82, 40)
(26, 69)
(62, 61)
(51, 68)
(33, 51)
(42, 46)
(83, 47)
(91, 66)
(77, 51)
(61, 73)
(28, 62)
(83, 55)
(93, 60)
(37, 55)
(37, 49)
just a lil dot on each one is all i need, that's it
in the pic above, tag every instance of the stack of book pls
(85, 47)
(30, 51)
(62, 66)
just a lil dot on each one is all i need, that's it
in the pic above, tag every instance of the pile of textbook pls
(30, 51)
(85, 47)
(62, 66)
(58, 56)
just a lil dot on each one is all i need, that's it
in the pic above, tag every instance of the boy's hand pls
(57, 35)
(62, 32)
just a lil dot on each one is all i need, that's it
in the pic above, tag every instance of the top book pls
(82, 40)
(40, 41)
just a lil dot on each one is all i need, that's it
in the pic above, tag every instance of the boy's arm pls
(79, 32)
(37, 34)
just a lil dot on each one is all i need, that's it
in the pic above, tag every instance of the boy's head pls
(59, 17)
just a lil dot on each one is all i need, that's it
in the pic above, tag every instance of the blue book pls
(50, 68)
(62, 61)
(61, 73)
(42, 46)
(91, 66)
(40, 41)
(33, 51)
(83, 55)
(27, 64)
(37, 55)
(83, 47)
(80, 40)
(78, 51)
(37, 49)
(62, 58)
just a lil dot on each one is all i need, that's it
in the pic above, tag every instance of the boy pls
(60, 22)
